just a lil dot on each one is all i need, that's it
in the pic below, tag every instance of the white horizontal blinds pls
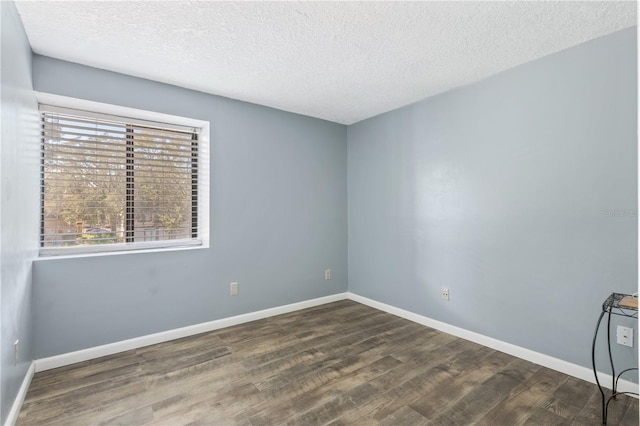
(163, 173)
(107, 180)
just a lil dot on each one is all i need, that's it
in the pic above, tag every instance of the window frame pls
(134, 116)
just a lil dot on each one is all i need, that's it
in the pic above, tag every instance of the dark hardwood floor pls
(341, 363)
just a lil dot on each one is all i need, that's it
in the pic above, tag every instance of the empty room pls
(310, 213)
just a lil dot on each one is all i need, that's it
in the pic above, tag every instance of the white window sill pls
(118, 253)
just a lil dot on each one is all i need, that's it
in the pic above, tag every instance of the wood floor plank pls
(418, 362)
(335, 407)
(451, 396)
(268, 412)
(540, 416)
(341, 363)
(389, 401)
(481, 399)
(530, 393)
(405, 416)
(138, 415)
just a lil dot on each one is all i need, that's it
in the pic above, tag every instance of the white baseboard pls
(557, 364)
(22, 393)
(177, 333)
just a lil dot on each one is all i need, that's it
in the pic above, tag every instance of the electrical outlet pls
(234, 289)
(445, 294)
(624, 336)
(16, 351)
(327, 274)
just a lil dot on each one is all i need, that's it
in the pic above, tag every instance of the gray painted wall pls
(499, 191)
(278, 220)
(19, 173)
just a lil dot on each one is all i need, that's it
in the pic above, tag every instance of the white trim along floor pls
(562, 366)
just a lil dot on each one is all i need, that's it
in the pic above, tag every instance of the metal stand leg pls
(613, 370)
(595, 372)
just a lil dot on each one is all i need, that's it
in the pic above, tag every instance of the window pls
(111, 183)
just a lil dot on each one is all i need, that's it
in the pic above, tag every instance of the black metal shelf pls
(611, 306)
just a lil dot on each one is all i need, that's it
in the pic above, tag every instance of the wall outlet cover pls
(445, 294)
(624, 336)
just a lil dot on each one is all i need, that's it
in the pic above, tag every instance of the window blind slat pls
(111, 160)
(112, 135)
(82, 115)
(53, 169)
(92, 146)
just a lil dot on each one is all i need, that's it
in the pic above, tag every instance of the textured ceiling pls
(340, 61)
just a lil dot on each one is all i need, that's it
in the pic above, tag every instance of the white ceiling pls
(340, 61)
